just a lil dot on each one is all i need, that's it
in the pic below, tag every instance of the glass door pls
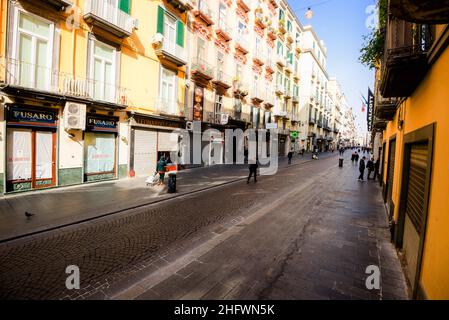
(44, 159)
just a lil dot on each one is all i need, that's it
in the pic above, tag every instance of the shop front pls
(30, 147)
(100, 148)
(152, 138)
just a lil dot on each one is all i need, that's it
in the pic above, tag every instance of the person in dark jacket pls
(362, 169)
(370, 167)
(290, 156)
(253, 171)
(161, 164)
(376, 169)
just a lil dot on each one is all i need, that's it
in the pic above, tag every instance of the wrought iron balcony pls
(41, 79)
(280, 60)
(257, 94)
(280, 113)
(258, 56)
(169, 107)
(204, 13)
(182, 5)
(109, 18)
(241, 87)
(421, 11)
(223, 30)
(385, 108)
(405, 57)
(172, 52)
(202, 70)
(222, 79)
(241, 42)
(312, 120)
(60, 4)
(280, 89)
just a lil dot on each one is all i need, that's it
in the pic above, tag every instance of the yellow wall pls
(428, 105)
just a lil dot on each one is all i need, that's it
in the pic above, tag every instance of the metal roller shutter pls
(168, 141)
(145, 152)
(417, 185)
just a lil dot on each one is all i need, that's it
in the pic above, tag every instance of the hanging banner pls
(370, 113)
(198, 101)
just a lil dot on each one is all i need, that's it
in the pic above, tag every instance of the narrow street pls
(308, 232)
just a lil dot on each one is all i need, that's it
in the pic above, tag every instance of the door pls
(44, 163)
(31, 158)
(390, 178)
(415, 208)
(100, 152)
(145, 152)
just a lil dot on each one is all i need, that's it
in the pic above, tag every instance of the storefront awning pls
(421, 11)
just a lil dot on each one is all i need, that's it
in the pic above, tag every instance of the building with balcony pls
(411, 126)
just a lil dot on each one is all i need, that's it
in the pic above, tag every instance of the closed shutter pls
(391, 162)
(160, 19)
(145, 152)
(125, 6)
(417, 185)
(180, 33)
(167, 141)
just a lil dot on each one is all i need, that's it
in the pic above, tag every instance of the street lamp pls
(309, 14)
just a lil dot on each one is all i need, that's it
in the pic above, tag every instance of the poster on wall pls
(198, 101)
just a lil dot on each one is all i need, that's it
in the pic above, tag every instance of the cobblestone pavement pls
(64, 206)
(311, 227)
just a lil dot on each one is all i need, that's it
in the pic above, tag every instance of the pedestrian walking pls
(370, 167)
(253, 171)
(357, 157)
(290, 156)
(376, 169)
(302, 152)
(362, 169)
(161, 164)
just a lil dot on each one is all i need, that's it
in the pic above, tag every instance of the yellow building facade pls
(412, 115)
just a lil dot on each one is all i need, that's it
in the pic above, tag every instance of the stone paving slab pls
(58, 207)
(306, 248)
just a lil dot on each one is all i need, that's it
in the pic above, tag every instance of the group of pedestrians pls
(370, 165)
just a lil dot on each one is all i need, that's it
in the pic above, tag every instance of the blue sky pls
(341, 24)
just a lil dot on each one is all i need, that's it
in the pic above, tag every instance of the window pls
(103, 71)
(201, 49)
(281, 14)
(241, 28)
(222, 12)
(218, 103)
(289, 26)
(280, 48)
(256, 85)
(168, 101)
(33, 51)
(172, 28)
(220, 64)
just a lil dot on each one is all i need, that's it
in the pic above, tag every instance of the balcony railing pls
(182, 5)
(405, 57)
(241, 87)
(204, 12)
(280, 60)
(222, 79)
(170, 107)
(109, 17)
(280, 89)
(202, 69)
(385, 108)
(312, 120)
(43, 79)
(258, 56)
(241, 42)
(173, 52)
(60, 4)
(223, 29)
(257, 94)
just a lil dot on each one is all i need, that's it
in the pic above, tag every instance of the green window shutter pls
(160, 19)
(180, 33)
(125, 6)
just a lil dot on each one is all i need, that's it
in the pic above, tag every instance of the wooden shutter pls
(160, 19)
(180, 33)
(125, 6)
(417, 184)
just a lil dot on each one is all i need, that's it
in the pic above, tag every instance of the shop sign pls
(100, 123)
(157, 122)
(29, 117)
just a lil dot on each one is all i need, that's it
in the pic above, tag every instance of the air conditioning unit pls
(157, 40)
(224, 118)
(75, 116)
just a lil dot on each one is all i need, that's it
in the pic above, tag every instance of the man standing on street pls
(376, 169)
(290, 156)
(370, 166)
(362, 169)
(253, 171)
